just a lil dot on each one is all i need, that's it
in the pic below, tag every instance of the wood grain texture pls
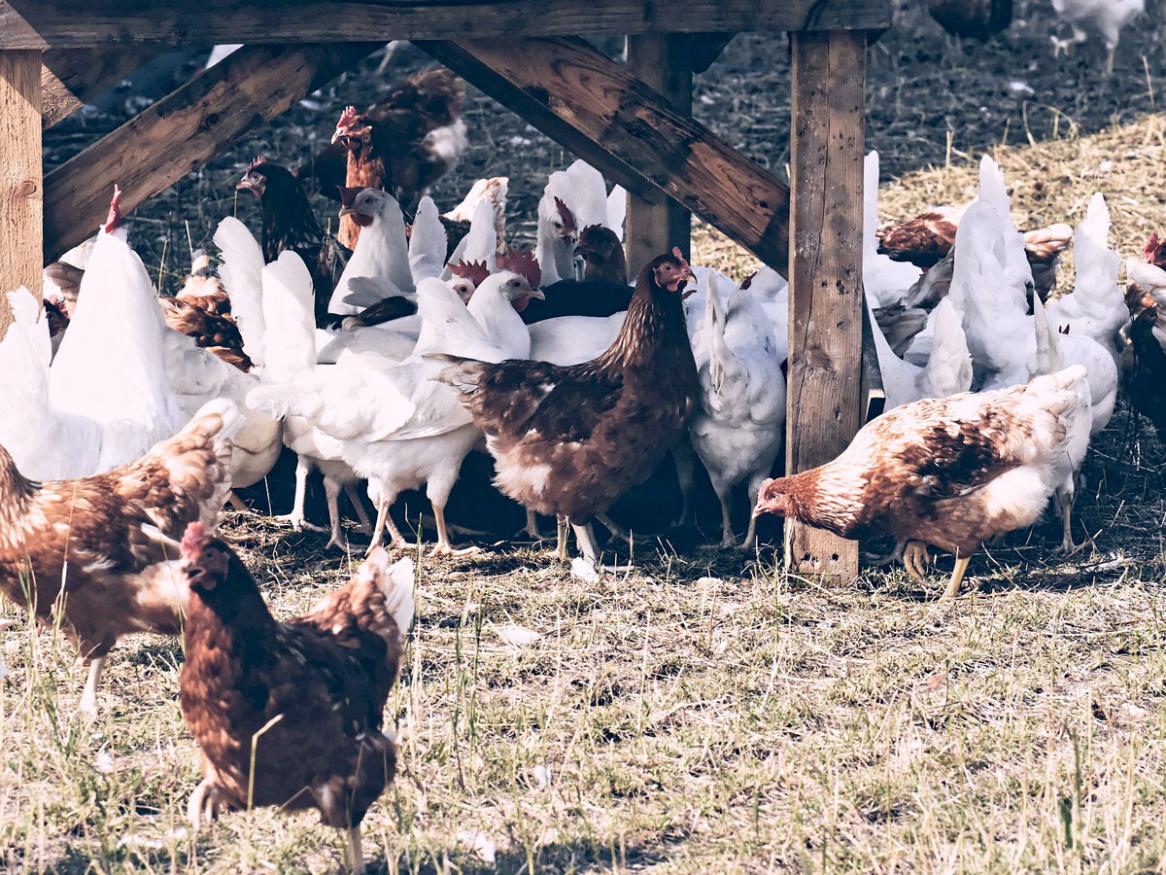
(597, 109)
(825, 326)
(20, 176)
(660, 61)
(70, 79)
(98, 23)
(182, 131)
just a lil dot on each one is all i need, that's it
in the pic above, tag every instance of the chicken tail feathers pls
(395, 583)
(280, 402)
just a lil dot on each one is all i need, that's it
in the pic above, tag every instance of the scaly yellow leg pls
(915, 559)
(957, 576)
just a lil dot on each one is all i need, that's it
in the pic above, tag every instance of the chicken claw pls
(915, 559)
(203, 806)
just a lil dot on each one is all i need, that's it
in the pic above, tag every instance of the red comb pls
(348, 194)
(523, 263)
(193, 540)
(474, 271)
(748, 281)
(257, 160)
(566, 214)
(347, 117)
(1151, 249)
(679, 256)
(113, 220)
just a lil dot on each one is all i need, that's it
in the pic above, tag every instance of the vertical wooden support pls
(21, 191)
(825, 325)
(660, 61)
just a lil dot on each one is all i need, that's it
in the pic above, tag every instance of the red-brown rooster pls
(107, 539)
(949, 472)
(291, 714)
(571, 440)
(405, 143)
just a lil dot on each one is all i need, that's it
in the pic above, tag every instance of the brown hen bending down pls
(107, 538)
(571, 440)
(290, 714)
(950, 472)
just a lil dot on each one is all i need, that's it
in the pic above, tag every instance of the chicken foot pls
(915, 560)
(385, 520)
(561, 535)
(1063, 502)
(728, 539)
(957, 576)
(886, 559)
(88, 706)
(358, 508)
(444, 546)
(296, 516)
(203, 806)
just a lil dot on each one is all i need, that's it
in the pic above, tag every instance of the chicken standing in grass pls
(291, 714)
(96, 549)
(950, 472)
(571, 440)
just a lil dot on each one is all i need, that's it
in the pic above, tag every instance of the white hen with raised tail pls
(379, 266)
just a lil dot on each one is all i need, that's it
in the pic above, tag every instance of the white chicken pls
(949, 366)
(127, 393)
(399, 427)
(1097, 307)
(1107, 16)
(572, 200)
(738, 430)
(379, 266)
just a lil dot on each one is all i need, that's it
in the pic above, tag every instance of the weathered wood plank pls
(874, 397)
(660, 61)
(20, 176)
(89, 23)
(597, 109)
(70, 79)
(825, 326)
(182, 131)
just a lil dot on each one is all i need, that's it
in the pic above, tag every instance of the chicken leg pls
(957, 576)
(385, 521)
(585, 536)
(203, 805)
(355, 850)
(728, 539)
(88, 706)
(1063, 500)
(531, 527)
(561, 536)
(296, 516)
(444, 546)
(358, 507)
(684, 458)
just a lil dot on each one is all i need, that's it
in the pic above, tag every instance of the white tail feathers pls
(241, 271)
(617, 210)
(428, 242)
(288, 317)
(225, 409)
(396, 582)
(280, 402)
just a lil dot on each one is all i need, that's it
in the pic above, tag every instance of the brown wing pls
(923, 241)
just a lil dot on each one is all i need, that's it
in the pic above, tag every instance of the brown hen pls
(291, 714)
(571, 440)
(950, 472)
(106, 539)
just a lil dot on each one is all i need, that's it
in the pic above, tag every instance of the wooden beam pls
(70, 79)
(20, 177)
(68, 24)
(661, 62)
(182, 131)
(825, 325)
(595, 108)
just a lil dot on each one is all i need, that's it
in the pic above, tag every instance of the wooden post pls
(660, 61)
(825, 325)
(21, 191)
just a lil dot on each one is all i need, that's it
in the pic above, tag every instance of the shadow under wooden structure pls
(631, 121)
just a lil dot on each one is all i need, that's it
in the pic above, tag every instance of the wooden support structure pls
(602, 113)
(20, 175)
(181, 132)
(70, 79)
(825, 327)
(660, 61)
(70, 24)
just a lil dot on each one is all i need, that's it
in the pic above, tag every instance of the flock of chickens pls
(418, 337)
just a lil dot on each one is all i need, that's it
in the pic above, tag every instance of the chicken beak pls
(538, 294)
(348, 211)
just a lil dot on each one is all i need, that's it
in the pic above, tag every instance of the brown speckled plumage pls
(573, 440)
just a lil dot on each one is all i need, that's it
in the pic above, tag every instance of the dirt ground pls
(706, 711)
